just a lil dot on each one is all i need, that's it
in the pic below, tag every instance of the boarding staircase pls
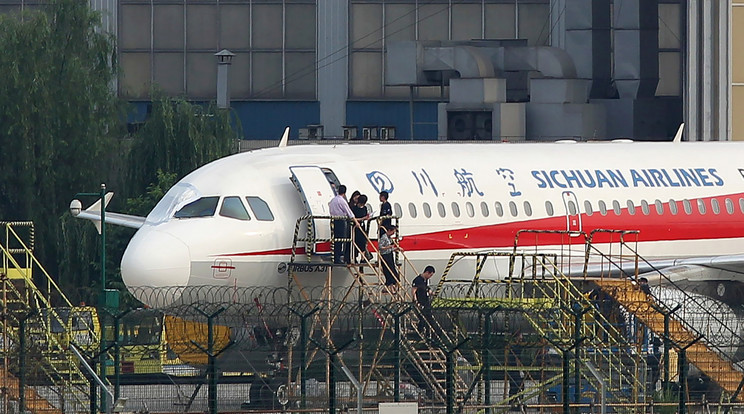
(49, 363)
(648, 311)
(424, 354)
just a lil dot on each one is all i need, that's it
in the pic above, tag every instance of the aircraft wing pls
(119, 219)
(93, 213)
(703, 268)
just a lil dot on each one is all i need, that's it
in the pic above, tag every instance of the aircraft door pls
(315, 191)
(573, 212)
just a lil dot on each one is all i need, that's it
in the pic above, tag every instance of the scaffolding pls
(529, 329)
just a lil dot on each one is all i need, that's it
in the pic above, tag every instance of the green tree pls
(178, 138)
(58, 114)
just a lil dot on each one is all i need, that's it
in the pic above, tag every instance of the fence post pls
(211, 358)
(303, 351)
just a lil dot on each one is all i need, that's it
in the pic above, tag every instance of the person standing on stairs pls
(339, 207)
(421, 295)
(360, 236)
(387, 254)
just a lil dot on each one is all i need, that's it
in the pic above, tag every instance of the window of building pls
(701, 205)
(500, 210)
(427, 210)
(470, 209)
(260, 209)
(687, 206)
(588, 208)
(673, 207)
(442, 211)
(203, 207)
(398, 210)
(484, 208)
(232, 207)
(549, 208)
(644, 208)
(729, 206)
(616, 207)
(527, 209)
(659, 207)
(715, 206)
(631, 207)
(412, 210)
(602, 208)
(513, 208)
(455, 209)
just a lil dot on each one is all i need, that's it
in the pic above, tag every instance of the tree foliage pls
(62, 132)
(57, 114)
(178, 138)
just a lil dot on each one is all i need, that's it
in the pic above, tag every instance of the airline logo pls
(652, 177)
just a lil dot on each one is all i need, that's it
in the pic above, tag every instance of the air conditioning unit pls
(311, 132)
(370, 132)
(350, 132)
(469, 125)
(387, 132)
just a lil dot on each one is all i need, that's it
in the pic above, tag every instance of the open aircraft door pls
(316, 192)
(573, 213)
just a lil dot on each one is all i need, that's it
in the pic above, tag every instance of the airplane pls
(231, 222)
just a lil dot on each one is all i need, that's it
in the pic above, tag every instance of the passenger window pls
(470, 209)
(232, 207)
(455, 209)
(687, 206)
(571, 207)
(659, 207)
(203, 207)
(260, 209)
(701, 206)
(644, 208)
(484, 208)
(442, 211)
(588, 208)
(673, 207)
(616, 207)
(398, 210)
(427, 210)
(549, 208)
(602, 208)
(500, 210)
(513, 208)
(631, 207)
(729, 206)
(715, 206)
(412, 210)
(741, 205)
(527, 209)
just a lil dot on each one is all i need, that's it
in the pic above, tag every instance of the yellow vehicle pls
(144, 346)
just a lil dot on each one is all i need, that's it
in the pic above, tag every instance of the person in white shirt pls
(339, 207)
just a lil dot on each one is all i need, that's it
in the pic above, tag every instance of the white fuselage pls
(686, 200)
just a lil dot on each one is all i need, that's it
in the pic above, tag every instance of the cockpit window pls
(178, 196)
(232, 207)
(203, 207)
(260, 209)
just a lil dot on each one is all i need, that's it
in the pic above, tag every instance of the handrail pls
(694, 300)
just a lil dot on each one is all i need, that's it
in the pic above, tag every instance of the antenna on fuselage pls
(678, 137)
(285, 138)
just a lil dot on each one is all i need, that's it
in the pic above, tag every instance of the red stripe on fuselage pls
(652, 226)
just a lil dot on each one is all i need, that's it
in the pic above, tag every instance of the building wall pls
(736, 49)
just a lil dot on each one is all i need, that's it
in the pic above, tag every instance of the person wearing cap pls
(387, 248)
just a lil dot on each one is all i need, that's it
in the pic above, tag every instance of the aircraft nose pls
(154, 265)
